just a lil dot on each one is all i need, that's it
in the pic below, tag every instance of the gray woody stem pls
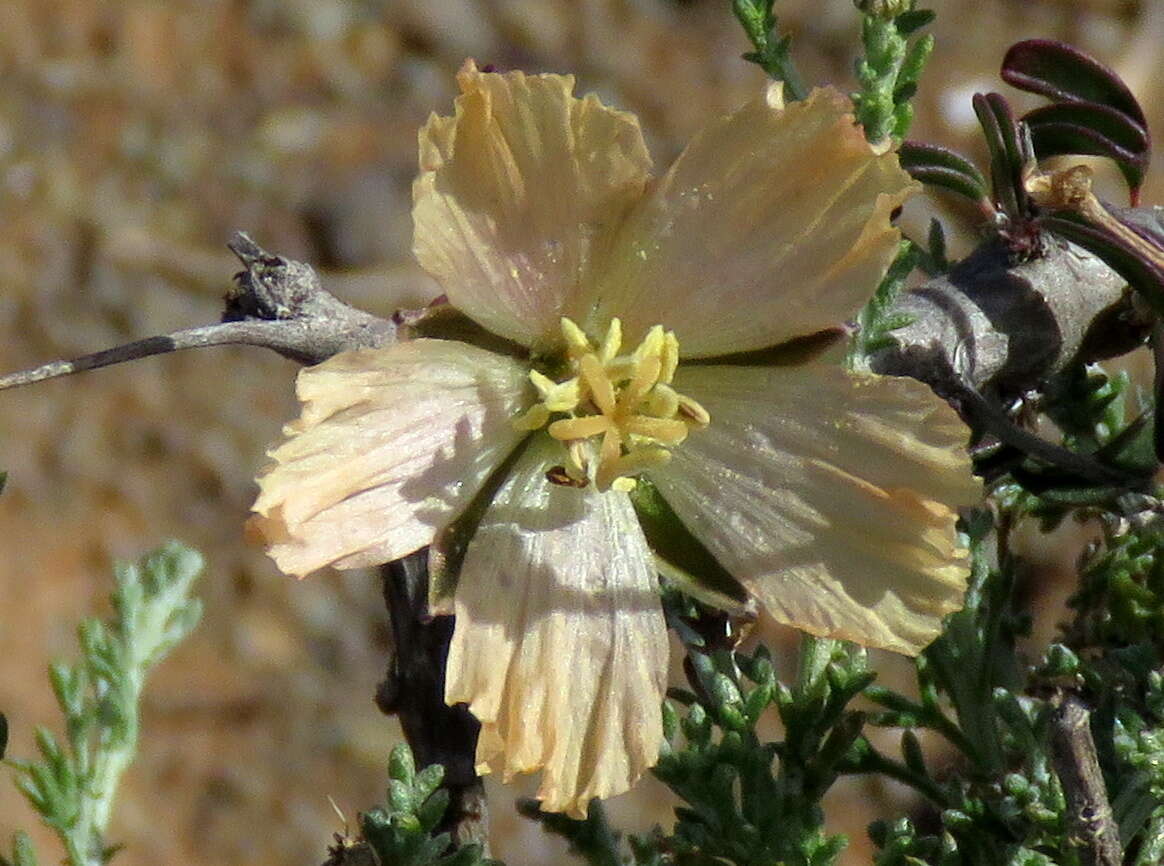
(414, 690)
(278, 304)
(1093, 830)
(992, 329)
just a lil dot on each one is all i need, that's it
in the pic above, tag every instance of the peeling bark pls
(999, 328)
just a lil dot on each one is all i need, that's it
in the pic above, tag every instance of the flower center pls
(616, 413)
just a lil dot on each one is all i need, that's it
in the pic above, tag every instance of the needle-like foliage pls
(74, 784)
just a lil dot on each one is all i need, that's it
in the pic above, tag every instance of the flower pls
(617, 343)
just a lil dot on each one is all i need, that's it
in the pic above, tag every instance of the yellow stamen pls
(670, 357)
(580, 428)
(577, 466)
(613, 341)
(601, 388)
(663, 402)
(608, 459)
(564, 397)
(556, 396)
(644, 380)
(542, 382)
(693, 412)
(577, 343)
(652, 345)
(622, 415)
(663, 429)
(644, 458)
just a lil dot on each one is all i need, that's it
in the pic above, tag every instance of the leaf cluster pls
(878, 320)
(405, 830)
(72, 786)
(1105, 419)
(1006, 802)
(891, 66)
(745, 799)
(772, 53)
(748, 800)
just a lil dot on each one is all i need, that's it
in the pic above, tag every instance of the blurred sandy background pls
(135, 137)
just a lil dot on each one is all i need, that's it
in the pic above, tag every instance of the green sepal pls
(446, 555)
(681, 558)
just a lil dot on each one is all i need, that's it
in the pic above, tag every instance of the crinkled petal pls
(774, 223)
(517, 191)
(831, 496)
(390, 445)
(560, 647)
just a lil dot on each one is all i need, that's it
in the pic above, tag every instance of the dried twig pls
(1093, 828)
(414, 690)
(279, 304)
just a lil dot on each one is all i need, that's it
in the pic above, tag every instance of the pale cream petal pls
(772, 224)
(517, 191)
(391, 443)
(560, 647)
(830, 496)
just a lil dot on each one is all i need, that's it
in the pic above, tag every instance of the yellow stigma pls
(617, 413)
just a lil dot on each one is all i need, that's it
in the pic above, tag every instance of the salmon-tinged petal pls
(560, 647)
(516, 194)
(774, 223)
(391, 444)
(831, 496)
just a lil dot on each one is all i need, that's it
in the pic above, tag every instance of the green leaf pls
(938, 166)
(431, 812)
(73, 787)
(911, 751)
(1095, 130)
(23, 853)
(400, 797)
(1006, 157)
(912, 66)
(401, 767)
(876, 321)
(772, 54)
(51, 751)
(427, 781)
(1065, 74)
